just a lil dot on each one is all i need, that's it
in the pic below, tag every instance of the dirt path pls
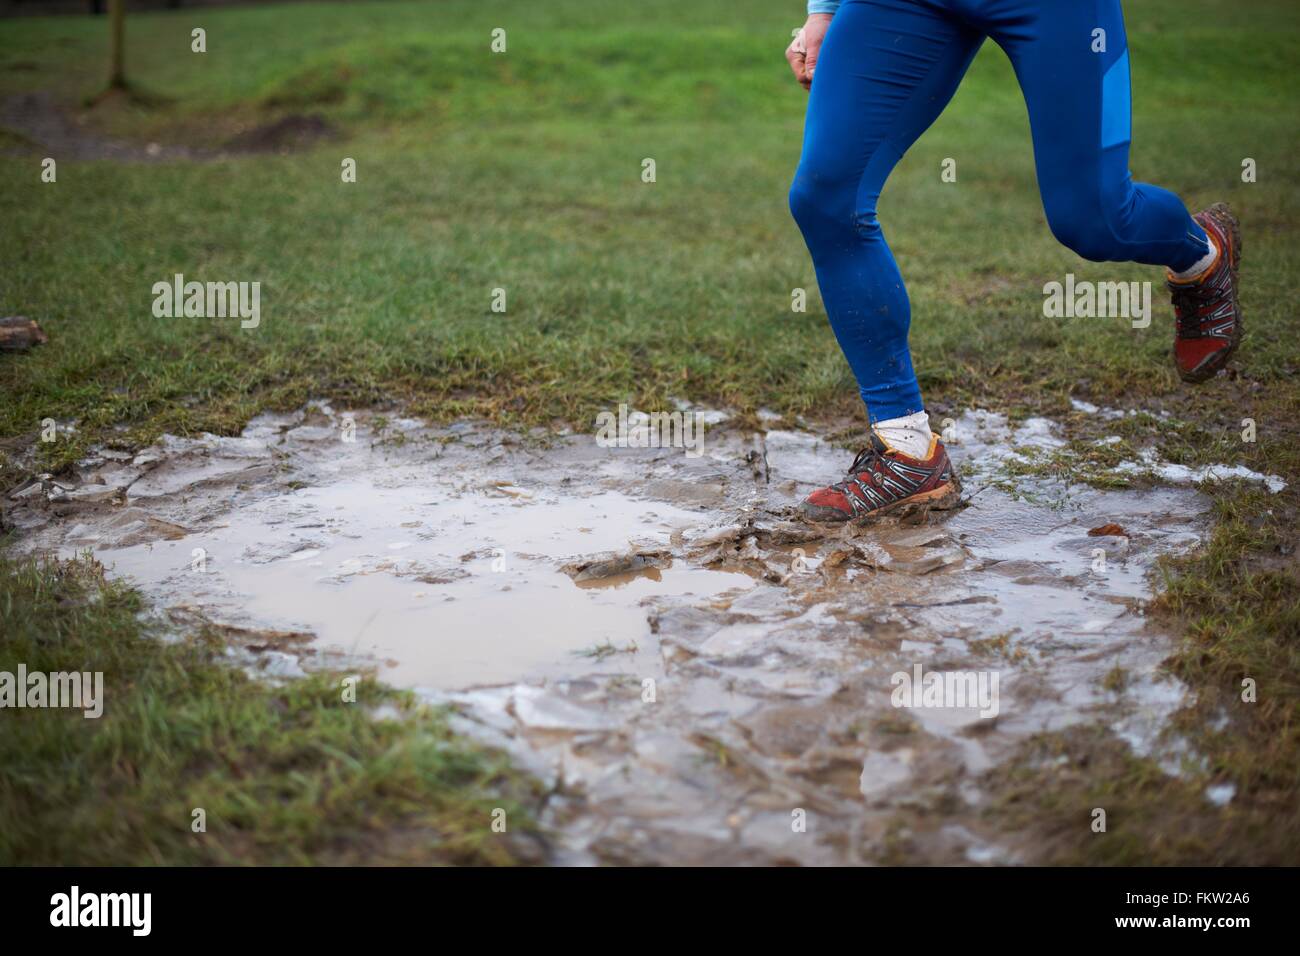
(65, 134)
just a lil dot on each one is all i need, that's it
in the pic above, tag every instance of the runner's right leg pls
(886, 71)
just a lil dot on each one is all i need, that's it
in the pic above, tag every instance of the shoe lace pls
(1188, 304)
(865, 461)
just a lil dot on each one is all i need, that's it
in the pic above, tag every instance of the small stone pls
(19, 333)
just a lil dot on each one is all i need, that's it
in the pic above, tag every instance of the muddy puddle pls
(696, 676)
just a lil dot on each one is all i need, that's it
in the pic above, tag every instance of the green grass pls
(285, 775)
(522, 171)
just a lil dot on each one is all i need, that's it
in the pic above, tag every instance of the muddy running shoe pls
(1206, 309)
(882, 480)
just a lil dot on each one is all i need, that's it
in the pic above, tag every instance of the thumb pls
(810, 64)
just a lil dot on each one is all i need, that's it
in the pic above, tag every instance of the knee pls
(821, 208)
(811, 204)
(1094, 223)
(1089, 237)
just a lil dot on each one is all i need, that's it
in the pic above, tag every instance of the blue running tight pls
(887, 69)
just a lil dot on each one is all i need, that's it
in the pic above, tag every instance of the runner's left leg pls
(1072, 61)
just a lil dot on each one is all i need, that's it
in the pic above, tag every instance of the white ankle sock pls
(909, 434)
(1201, 264)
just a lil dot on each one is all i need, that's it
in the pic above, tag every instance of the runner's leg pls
(887, 69)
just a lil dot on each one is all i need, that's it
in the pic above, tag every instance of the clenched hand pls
(803, 51)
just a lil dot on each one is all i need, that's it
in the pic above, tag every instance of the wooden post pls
(117, 44)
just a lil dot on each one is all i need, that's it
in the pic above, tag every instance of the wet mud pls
(696, 675)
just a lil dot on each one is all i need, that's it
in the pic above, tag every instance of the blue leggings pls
(886, 71)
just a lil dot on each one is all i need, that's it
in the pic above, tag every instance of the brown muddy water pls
(696, 676)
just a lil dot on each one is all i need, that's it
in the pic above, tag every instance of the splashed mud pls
(696, 674)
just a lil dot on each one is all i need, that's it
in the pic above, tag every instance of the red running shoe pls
(1207, 312)
(882, 480)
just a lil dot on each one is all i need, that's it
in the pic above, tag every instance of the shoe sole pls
(1220, 213)
(944, 498)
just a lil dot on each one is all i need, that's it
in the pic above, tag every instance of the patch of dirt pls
(41, 124)
(51, 129)
(294, 132)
